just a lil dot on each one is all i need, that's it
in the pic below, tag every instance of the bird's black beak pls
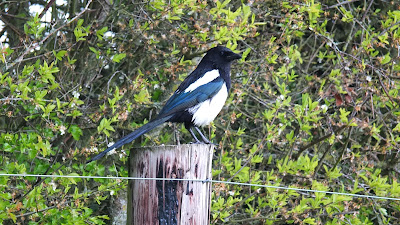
(234, 56)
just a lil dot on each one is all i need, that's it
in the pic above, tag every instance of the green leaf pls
(59, 55)
(48, 109)
(385, 59)
(43, 146)
(75, 131)
(118, 57)
(333, 174)
(257, 159)
(73, 180)
(309, 221)
(383, 211)
(80, 22)
(245, 54)
(95, 52)
(6, 52)
(343, 115)
(105, 126)
(12, 216)
(71, 61)
(142, 97)
(100, 33)
(47, 71)
(397, 128)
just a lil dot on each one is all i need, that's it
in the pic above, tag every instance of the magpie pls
(198, 99)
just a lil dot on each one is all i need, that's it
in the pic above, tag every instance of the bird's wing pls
(181, 100)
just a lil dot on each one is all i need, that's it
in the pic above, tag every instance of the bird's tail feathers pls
(132, 136)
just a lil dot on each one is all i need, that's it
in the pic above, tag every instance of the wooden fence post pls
(170, 202)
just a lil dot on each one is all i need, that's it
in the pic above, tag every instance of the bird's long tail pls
(132, 136)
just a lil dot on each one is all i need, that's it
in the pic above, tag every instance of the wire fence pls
(207, 181)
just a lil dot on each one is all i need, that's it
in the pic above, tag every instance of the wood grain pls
(170, 202)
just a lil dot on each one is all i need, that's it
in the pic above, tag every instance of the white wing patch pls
(205, 112)
(205, 79)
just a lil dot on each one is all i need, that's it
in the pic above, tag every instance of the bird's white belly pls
(205, 112)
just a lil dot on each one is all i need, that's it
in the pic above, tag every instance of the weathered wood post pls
(170, 202)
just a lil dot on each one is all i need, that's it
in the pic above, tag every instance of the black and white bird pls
(198, 99)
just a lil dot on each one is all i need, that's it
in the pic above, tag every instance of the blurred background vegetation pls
(314, 104)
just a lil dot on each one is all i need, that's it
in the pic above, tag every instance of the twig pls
(341, 3)
(46, 8)
(302, 149)
(383, 86)
(366, 11)
(343, 150)
(34, 45)
(322, 159)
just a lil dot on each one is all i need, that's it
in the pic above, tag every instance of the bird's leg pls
(205, 140)
(194, 136)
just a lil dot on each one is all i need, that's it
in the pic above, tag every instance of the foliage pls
(313, 105)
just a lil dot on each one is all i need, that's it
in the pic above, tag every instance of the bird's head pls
(221, 55)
